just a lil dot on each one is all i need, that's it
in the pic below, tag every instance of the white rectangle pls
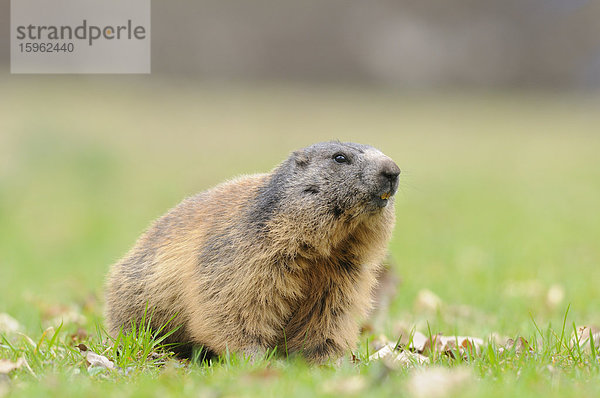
(80, 36)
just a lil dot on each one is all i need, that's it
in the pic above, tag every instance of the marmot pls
(286, 259)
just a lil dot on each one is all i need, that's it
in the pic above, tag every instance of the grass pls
(497, 214)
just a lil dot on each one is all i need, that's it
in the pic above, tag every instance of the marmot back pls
(286, 259)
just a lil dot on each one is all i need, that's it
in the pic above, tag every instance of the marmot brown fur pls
(286, 259)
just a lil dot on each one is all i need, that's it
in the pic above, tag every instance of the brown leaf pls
(398, 359)
(98, 360)
(7, 366)
(520, 345)
(95, 360)
(378, 343)
(419, 342)
(583, 337)
(432, 344)
(82, 347)
(467, 345)
(80, 335)
(8, 324)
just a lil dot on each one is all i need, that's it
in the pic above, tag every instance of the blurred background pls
(491, 109)
(550, 44)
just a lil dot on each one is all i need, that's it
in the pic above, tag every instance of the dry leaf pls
(438, 382)
(82, 347)
(583, 337)
(520, 345)
(95, 360)
(419, 342)
(398, 359)
(439, 344)
(8, 324)
(7, 366)
(498, 339)
(80, 335)
(380, 354)
(465, 345)
(432, 344)
(407, 335)
(378, 343)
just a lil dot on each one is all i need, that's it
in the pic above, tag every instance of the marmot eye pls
(340, 158)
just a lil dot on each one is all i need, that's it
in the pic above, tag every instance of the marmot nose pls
(390, 170)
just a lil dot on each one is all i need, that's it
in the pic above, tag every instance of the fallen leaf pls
(439, 344)
(95, 360)
(498, 339)
(583, 337)
(419, 342)
(8, 324)
(82, 347)
(398, 358)
(438, 382)
(378, 343)
(80, 335)
(465, 345)
(520, 346)
(382, 353)
(432, 344)
(7, 366)
(99, 360)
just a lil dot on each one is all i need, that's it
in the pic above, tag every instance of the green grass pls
(498, 203)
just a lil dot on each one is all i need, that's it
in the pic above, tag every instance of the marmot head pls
(323, 192)
(343, 178)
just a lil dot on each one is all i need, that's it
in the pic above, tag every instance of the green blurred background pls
(500, 190)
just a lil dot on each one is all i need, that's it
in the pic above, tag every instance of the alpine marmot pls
(286, 259)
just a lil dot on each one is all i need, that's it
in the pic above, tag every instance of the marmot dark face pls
(347, 178)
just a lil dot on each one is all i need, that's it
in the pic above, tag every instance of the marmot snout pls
(286, 259)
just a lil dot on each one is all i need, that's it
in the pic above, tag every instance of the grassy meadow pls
(498, 215)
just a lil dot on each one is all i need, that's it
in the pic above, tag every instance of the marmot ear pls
(301, 158)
